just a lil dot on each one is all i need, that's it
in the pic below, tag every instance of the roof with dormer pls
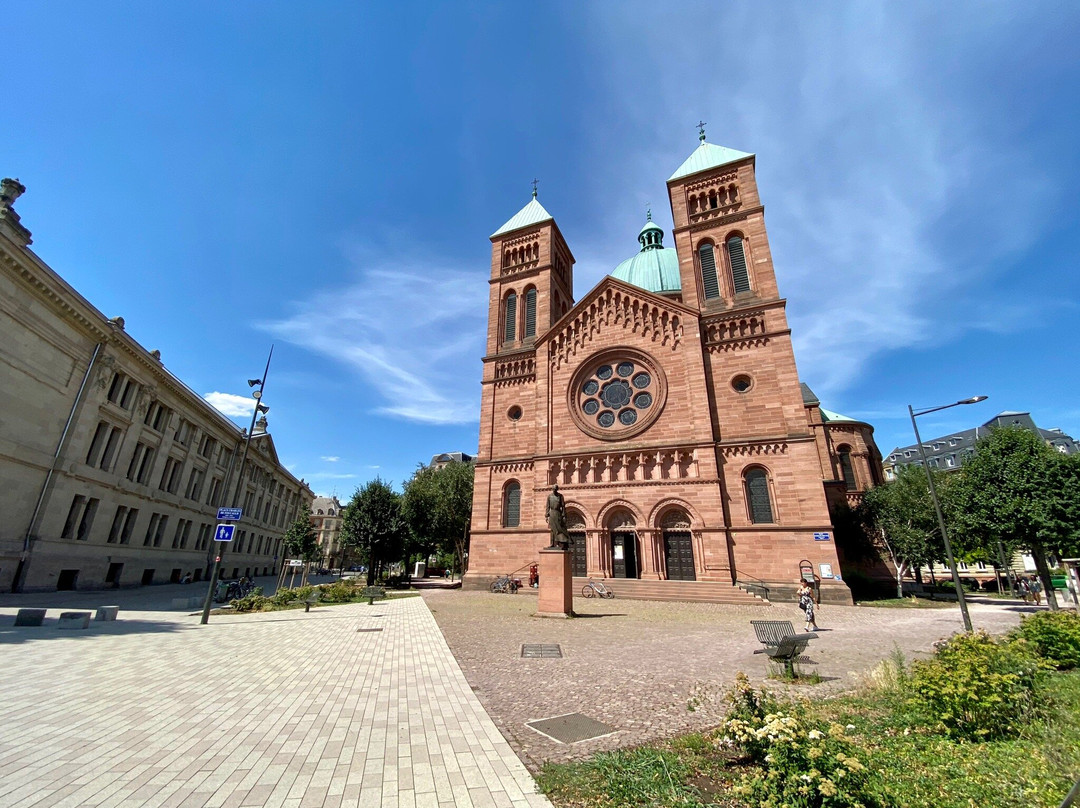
(706, 156)
(531, 214)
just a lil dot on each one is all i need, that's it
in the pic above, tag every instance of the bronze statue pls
(556, 519)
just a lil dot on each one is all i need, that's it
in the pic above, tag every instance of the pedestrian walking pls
(1025, 589)
(805, 594)
(1036, 589)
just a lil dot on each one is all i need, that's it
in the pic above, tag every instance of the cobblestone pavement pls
(346, 706)
(652, 669)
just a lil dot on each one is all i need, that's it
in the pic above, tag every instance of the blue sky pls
(324, 177)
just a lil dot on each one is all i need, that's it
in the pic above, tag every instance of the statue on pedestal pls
(555, 514)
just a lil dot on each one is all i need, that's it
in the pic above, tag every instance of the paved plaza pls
(346, 706)
(652, 670)
(366, 705)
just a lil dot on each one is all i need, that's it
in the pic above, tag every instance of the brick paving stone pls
(280, 710)
(655, 670)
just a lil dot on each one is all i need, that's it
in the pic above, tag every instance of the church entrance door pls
(578, 567)
(679, 556)
(624, 555)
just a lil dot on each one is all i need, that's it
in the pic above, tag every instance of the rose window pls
(617, 393)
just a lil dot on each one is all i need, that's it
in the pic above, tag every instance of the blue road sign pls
(230, 514)
(224, 532)
(821, 537)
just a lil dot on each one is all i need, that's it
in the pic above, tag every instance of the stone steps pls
(696, 591)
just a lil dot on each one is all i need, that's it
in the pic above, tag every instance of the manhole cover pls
(369, 629)
(571, 728)
(537, 651)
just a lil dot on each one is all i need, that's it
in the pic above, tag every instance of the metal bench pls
(372, 592)
(781, 642)
(309, 601)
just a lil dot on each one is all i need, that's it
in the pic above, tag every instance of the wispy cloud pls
(330, 458)
(411, 326)
(326, 475)
(230, 404)
(870, 169)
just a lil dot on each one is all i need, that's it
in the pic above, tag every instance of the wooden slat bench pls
(781, 642)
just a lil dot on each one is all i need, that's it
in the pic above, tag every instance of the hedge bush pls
(1055, 636)
(979, 688)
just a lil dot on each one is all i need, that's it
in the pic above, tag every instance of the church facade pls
(665, 404)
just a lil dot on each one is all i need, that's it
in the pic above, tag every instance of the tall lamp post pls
(937, 504)
(259, 408)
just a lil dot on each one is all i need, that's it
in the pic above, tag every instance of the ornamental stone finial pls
(10, 190)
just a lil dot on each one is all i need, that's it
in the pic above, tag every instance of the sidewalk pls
(346, 706)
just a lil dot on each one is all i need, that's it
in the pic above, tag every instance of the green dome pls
(654, 268)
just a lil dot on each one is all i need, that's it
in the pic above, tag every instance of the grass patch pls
(911, 764)
(909, 603)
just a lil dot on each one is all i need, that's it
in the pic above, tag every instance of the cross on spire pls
(701, 131)
(648, 212)
(534, 187)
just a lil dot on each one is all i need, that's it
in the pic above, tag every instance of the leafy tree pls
(437, 507)
(301, 540)
(1017, 490)
(372, 524)
(902, 513)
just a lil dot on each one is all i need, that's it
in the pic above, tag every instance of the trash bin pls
(420, 570)
(222, 592)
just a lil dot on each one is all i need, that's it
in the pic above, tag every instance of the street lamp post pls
(937, 504)
(220, 551)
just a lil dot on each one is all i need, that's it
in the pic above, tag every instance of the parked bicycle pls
(595, 588)
(505, 584)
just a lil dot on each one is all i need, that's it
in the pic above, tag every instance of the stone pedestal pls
(556, 595)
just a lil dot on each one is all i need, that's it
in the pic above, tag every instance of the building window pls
(74, 512)
(740, 278)
(195, 481)
(846, 469)
(530, 313)
(157, 416)
(512, 508)
(170, 475)
(510, 320)
(122, 391)
(757, 495)
(709, 281)
(103, 446)
(117, 524)
(129, 525)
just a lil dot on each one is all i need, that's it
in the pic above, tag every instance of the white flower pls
(850, 726)
(815, 735)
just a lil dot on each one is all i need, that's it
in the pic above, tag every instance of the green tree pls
(1018, 491)
(902, 514)
(437, 507)
(372, 524)
(301, 541)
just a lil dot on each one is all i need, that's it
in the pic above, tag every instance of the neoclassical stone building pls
(665, 403)
(111, 468)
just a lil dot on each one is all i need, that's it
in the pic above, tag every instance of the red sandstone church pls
(665, 404)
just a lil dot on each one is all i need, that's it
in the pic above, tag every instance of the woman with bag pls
(806, 603)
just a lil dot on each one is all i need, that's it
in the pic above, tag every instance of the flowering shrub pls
(979, 688)
(1055, 636)
(802, 766)
(341, 591)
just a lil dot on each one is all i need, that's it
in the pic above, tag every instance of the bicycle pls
(594, 588)
(505, 584)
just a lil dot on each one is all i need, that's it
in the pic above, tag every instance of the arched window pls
(846, 469)
(708, 271)
(512, 509)
(530, 313)
(510, 329)
(740, 278)
(757, 495)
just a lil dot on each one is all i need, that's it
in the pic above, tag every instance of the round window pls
(620, 392)
(742, 383)
(514, 413)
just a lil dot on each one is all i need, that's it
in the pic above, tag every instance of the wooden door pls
(679, 556)
(624, 555)
(578, 565)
